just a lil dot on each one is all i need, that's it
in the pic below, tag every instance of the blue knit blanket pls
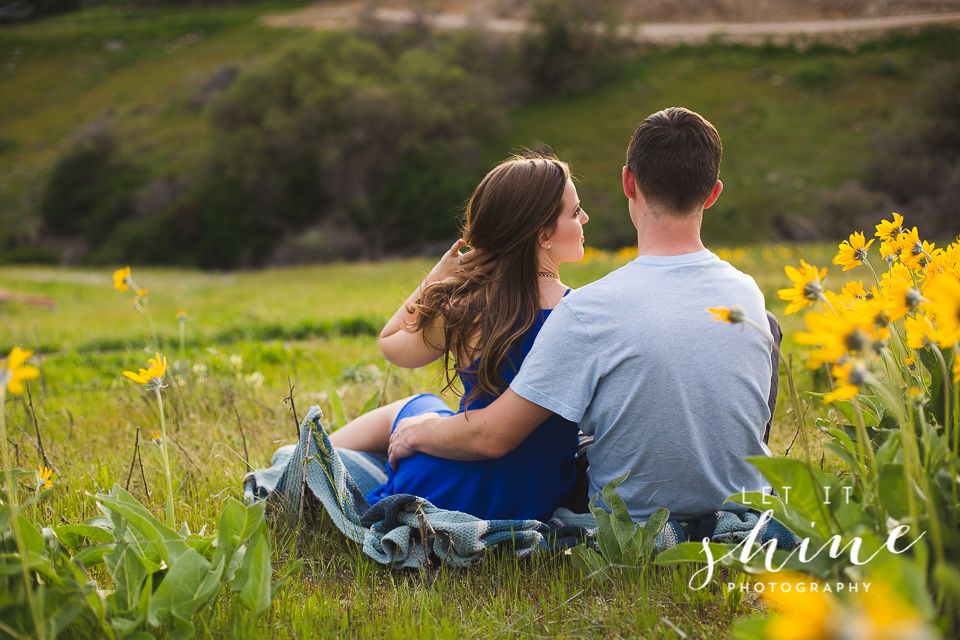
(407, 531)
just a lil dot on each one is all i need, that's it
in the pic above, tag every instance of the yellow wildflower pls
(897, 273)
(152, 374)
(43, 477)
(13, 372)
(182, 316)
(852, 252)
(913, 253)
(850, 375)
(952, 260)
(916, 396)
(890, 250)
(121, 279)
(804, 613)
(141, 292)
(156, 437)
(853, 291)
(835, 334)
(873, 316)
(889, 615)
(733, 315)
(944, 295)
(887, 230)
(902, 299)
(920, 331)
(910, 362)
(806, 286)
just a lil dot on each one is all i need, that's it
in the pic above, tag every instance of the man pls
(671, 396)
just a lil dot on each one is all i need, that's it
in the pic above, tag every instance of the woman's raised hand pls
(473, 262)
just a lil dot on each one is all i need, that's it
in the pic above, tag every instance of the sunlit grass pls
(89, 415)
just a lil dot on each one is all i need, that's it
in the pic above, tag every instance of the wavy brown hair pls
(513, 207)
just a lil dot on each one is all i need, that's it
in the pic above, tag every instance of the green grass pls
(89, 415)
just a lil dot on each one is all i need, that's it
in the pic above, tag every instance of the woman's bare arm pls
(412, 350)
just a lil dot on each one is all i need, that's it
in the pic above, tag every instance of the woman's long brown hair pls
(508, 214)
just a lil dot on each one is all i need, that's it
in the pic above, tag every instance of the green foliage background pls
(797, 128)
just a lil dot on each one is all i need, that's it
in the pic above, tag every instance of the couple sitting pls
(633, 360)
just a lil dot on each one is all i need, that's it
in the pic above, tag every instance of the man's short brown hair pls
(675, 158)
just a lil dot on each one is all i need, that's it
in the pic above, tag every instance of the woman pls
(483, 309)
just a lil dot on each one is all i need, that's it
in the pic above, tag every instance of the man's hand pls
(400, 438)
(491, 432)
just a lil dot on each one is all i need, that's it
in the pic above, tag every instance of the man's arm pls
(491, 432)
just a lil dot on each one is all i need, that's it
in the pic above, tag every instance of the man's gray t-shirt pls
(672, 396)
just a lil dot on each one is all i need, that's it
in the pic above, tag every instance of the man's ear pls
(717, 188)
(629, 183)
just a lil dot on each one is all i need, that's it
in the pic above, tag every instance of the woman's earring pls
(548, 247)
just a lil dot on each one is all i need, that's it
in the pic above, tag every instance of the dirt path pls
(329, 15)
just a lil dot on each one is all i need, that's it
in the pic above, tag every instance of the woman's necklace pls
(544, 274)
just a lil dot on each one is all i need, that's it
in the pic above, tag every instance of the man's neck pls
(665, 235)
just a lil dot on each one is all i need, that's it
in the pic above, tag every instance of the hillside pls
(795, 123)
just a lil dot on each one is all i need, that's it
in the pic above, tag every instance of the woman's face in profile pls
(566, 242)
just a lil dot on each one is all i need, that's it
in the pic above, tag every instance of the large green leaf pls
(936, 389)
(336, 409)
(590, 563)
(623, 527)
(253, 576)
(31, 538)
(692, 552)
(128, 571)
(92, 556)
(190, 584)
(372, 403)
(166, 542)
(652, 528)
(73, 535)
(802, 488)
(606, 538)
(893, 490)
(781, 512)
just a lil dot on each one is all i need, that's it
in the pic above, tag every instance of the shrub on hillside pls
(574, 44)
(338, 130)
(916, 163)
(92, 186)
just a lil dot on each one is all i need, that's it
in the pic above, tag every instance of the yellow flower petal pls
(121, 278)
(15, 372)
(844, 392)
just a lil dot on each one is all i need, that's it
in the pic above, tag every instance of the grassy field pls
(793, 122)
(227, 393)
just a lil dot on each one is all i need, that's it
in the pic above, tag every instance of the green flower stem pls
(166, 460)
(924, 484)
(866, 448)
(956, 412)
(146, 310)
(182, 340)
(153, 328)
(946, 395)
(913, 471)
(873, 271)
(14, 516)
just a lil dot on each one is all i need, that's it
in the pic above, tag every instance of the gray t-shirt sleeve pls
(561, 371)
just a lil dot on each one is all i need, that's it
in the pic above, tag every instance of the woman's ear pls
(544, 239)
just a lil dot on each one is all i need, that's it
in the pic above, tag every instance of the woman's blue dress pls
(527, 483)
